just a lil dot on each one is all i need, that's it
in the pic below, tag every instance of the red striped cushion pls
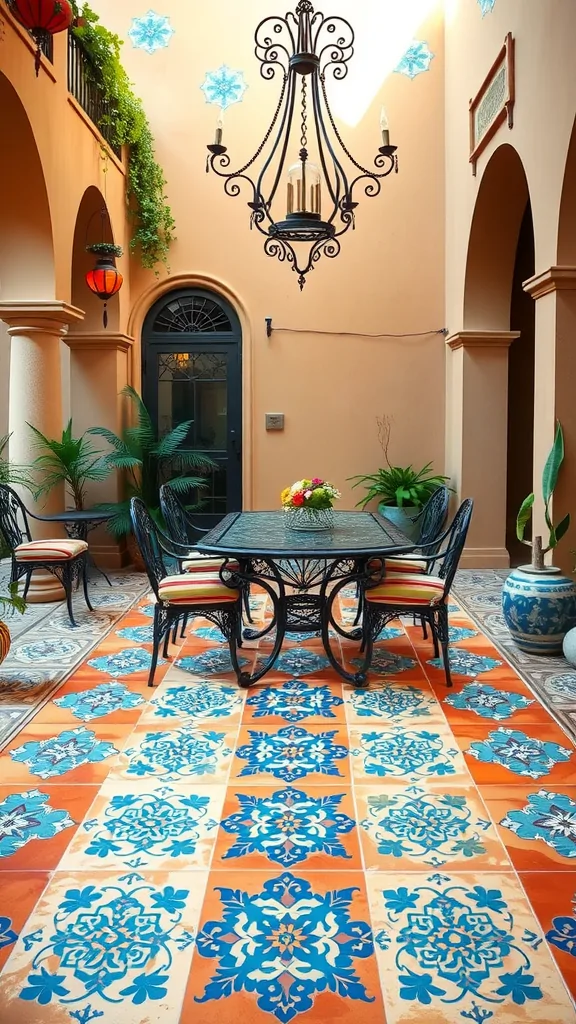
(403, 563)
(407, 589)
(49, 550)
(211, 565)
(195, 588)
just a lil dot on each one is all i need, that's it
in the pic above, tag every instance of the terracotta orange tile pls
(37, 824)
(19, 894)
(553, 899)
(539, 752)
(88, 700)
(57, 754)
(289, 827)
(501, 700)
(277, 929)
(292, 754)
(537, 824)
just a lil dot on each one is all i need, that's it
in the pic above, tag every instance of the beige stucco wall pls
(544, 31)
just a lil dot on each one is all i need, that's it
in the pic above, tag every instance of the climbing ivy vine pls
(128, 125)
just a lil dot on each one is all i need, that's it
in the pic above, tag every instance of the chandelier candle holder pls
(301, 51)
(308, 504)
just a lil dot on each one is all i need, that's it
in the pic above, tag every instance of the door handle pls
(236, 446)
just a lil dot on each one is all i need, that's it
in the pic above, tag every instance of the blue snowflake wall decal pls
(288, 826)
(285, 961)
(416, 59)
(293, 701)
(60, 754)
(27, 816)
(487, 701)
(291, 753)
(521, 754)
(547, 816)
(224, 87)
(150, 32)
(110, 941)
(486, 6)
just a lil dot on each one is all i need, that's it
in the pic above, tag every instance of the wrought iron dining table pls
(301, 571)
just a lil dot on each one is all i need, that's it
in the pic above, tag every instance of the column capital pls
(38, 315)
(482, 339)
(555, 279)
(89, 341)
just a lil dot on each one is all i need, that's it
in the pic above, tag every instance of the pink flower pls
(317, 482)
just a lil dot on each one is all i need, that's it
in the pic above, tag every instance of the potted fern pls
(148, 461)
(70, 460)
(401, 491)
(538, 602)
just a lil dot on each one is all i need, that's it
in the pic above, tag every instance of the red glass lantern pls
(42, 18)
(104, 280)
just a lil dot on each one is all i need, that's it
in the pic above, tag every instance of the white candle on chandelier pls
(384, 128)
(219, 127)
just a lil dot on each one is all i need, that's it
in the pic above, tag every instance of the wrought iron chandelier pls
(303, 48)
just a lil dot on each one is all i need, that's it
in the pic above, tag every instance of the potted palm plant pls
(401, 491)
(148, 461)
(8, 605)
(538, 602)
(70, 460)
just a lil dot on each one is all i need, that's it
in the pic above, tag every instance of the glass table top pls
(267, 533)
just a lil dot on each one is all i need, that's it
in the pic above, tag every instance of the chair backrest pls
(13, 518)
(455, 541)
(148, 541)
(179, 525)
(433, 517)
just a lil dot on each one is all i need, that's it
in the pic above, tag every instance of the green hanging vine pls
(128, 124)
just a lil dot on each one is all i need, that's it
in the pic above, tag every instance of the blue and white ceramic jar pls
(539, 607)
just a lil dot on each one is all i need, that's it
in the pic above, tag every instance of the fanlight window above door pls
(192, 314)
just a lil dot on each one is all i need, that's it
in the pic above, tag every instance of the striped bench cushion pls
(208, 564)
(407, 589)
(403, 563)
(49, 550)
(195, 588)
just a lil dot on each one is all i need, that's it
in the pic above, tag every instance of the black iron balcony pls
(87, 93)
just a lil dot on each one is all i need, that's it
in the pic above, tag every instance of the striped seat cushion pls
(195, 588)
(207, 564)
(403, 563)
(49, 550)
(407, 589)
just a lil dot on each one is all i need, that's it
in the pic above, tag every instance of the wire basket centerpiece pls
(308, 504)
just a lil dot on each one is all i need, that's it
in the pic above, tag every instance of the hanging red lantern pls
(42, 18)
(104, 280)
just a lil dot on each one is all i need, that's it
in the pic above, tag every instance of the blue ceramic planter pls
(539, 609)
(402, 518)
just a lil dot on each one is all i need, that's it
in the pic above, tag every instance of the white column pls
(36, 329)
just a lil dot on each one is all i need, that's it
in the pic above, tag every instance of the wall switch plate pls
(274, 421)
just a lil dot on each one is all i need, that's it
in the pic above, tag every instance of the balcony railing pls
(46, 43)
(86, 93)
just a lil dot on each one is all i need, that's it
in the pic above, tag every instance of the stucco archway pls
(498, 212)
(567, 218)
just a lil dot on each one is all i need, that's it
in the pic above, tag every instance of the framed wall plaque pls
(494, 101)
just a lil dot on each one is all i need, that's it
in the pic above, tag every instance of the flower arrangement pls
(315, 494)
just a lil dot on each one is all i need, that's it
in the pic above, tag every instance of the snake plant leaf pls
(523, 516)
(553, 463)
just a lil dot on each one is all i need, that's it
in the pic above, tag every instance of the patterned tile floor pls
(302, 852)
(45, 649)
(479, 592)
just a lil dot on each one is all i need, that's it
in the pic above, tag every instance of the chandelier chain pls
(364, 170)
(303, 137)
(269, 132)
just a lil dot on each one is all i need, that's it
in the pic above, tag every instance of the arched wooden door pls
(192, 370)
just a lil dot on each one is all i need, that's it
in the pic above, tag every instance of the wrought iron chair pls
(185, 531)
(387, 596)
(431, 519)
(67, 560)
(212, 595)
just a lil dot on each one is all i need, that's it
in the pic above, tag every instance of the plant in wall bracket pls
(128, 124)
